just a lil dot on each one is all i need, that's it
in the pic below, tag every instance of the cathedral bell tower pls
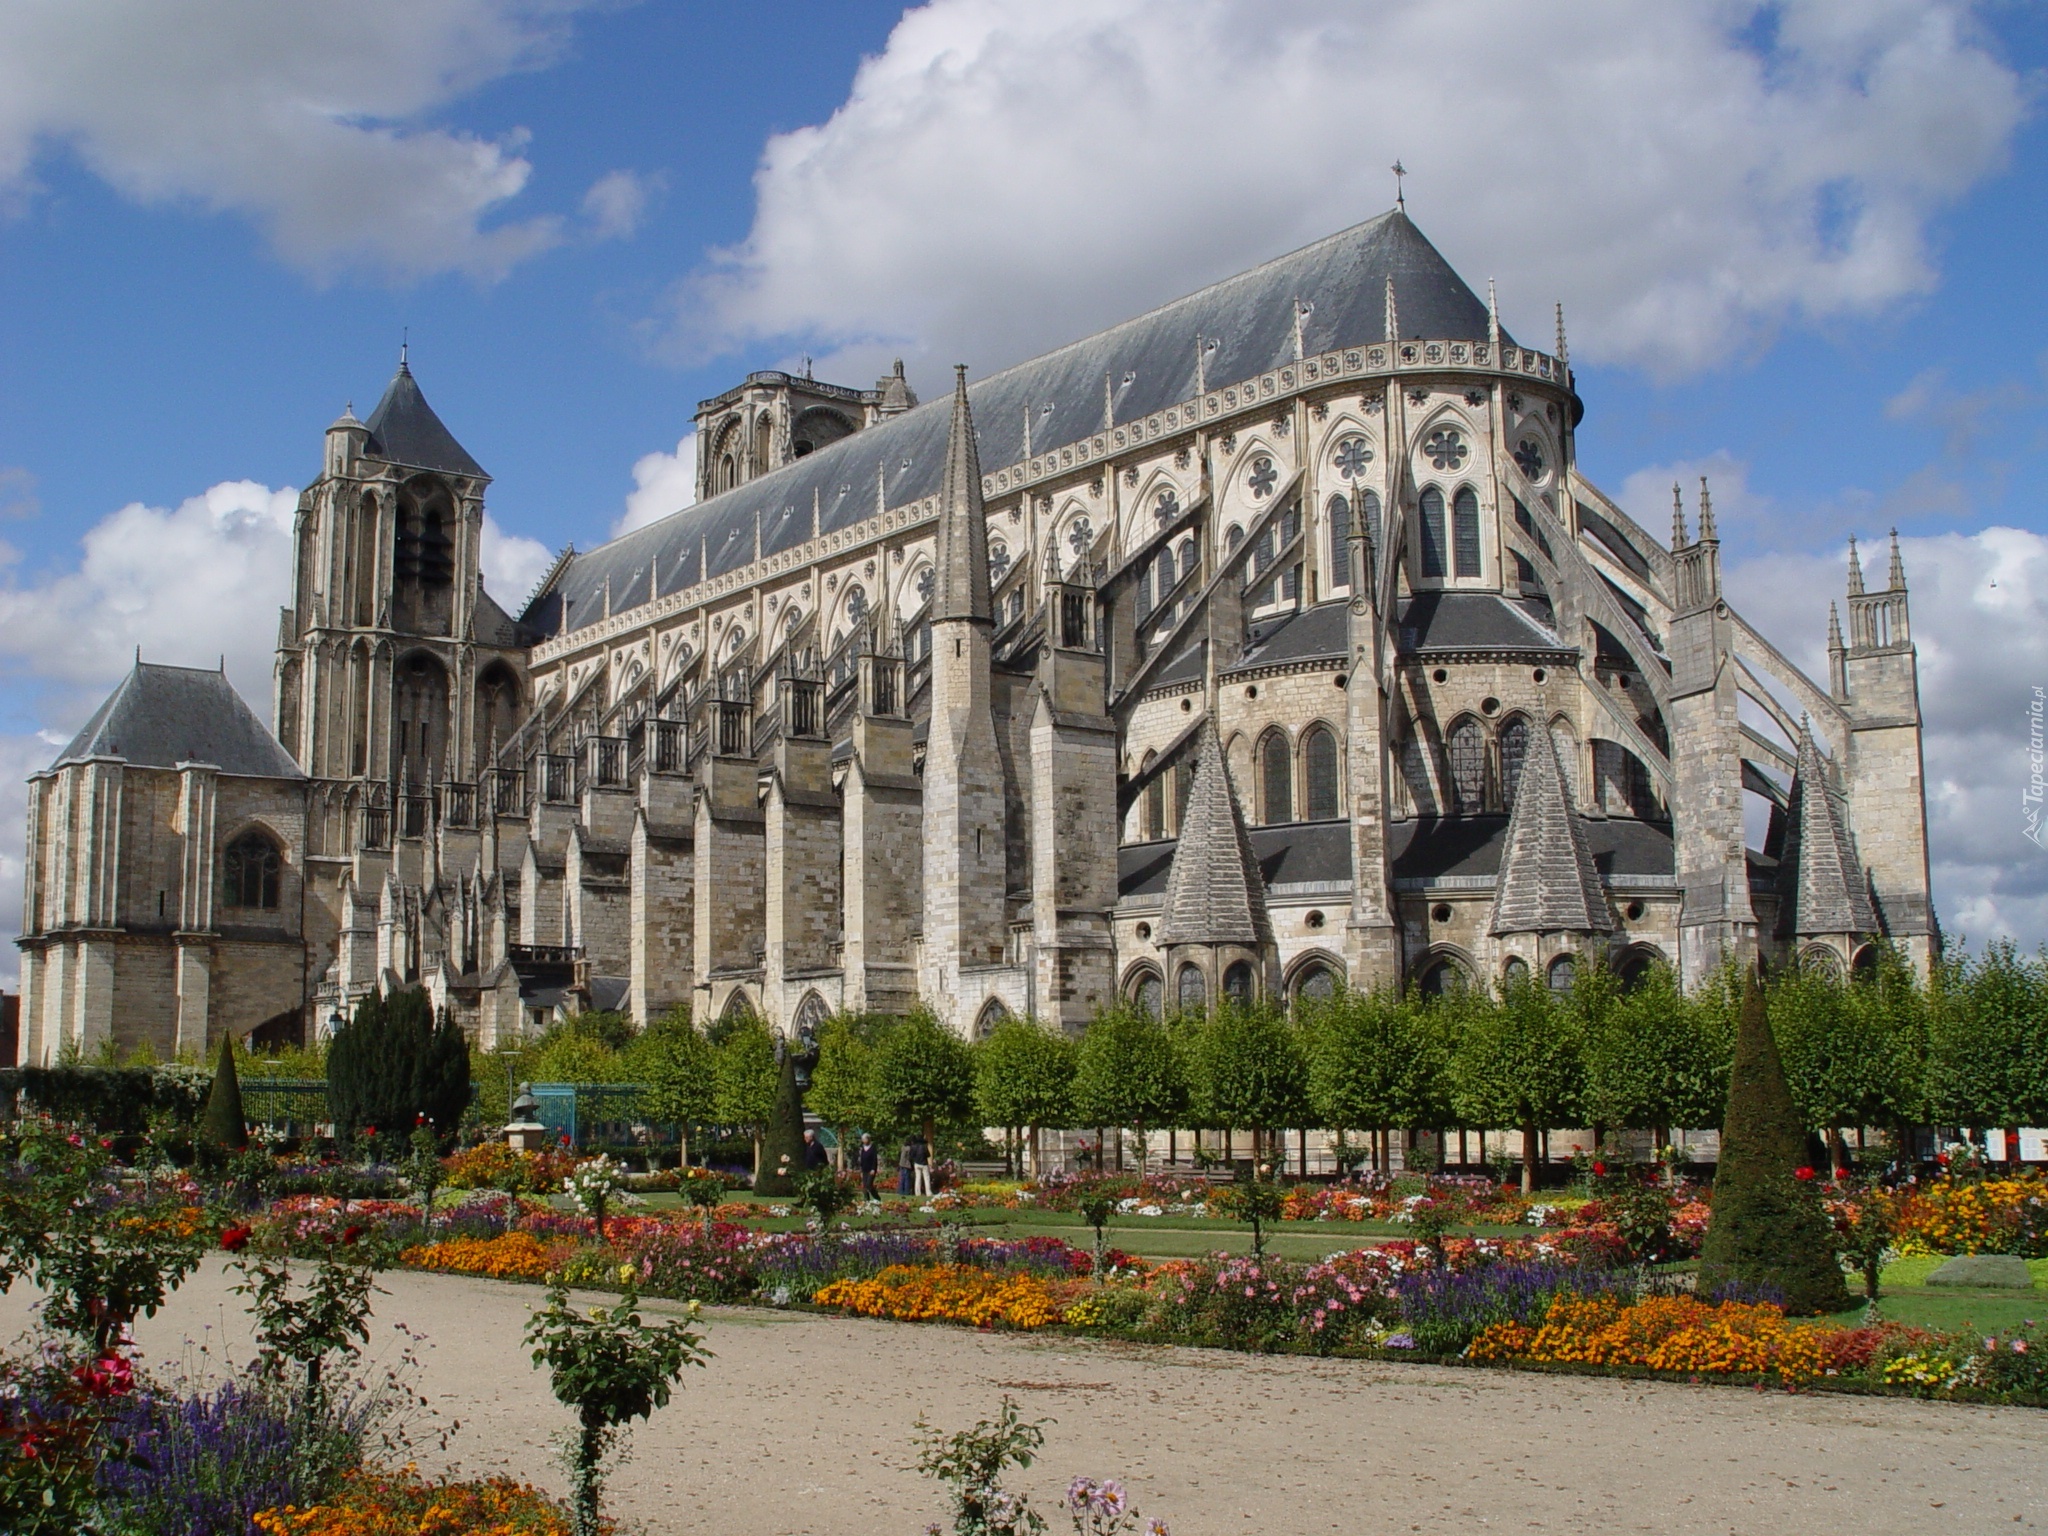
(377, 661)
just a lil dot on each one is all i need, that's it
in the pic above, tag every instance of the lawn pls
(1907, 1298)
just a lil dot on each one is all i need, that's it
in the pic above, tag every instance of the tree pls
(678, 1069)
(223, 1124)
(923, 1076)
(1516, 1061)
(1127, 1073)
(1654, 1060)
(1249, 1070)
(1988, 1042)
(842, 1086)
(1375, 1059)
(782, 1142)
(1768, 1232)
(1024, 1078)
(392, 1063)
(1843, 1058)
(744, 1078)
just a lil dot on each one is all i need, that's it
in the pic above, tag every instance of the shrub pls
(392, 1063)
(223, 1125)
(373, 1503)
(1768, 1228)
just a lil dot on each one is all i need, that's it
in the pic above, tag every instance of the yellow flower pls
(626, 1273)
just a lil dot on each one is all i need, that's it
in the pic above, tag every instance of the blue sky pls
(1798, 245)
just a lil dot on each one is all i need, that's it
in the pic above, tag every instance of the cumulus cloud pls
(309, 119)
(1685, 176)
(512, 564)
(662, 483)
(617, 202)
(1980, 622)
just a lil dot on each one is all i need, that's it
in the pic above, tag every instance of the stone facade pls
(913, 704)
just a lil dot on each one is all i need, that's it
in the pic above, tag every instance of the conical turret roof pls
(1215, 893)
(405, 430)
(962, 575)
(1548, 882)
(1820, 879)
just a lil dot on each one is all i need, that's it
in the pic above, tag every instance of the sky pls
(1797, 247)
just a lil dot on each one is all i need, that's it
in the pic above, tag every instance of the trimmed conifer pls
(1768, 1232)
(782, 1145)
(223, 1124)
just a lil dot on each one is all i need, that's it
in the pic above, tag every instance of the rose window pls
(1529, 456)
(1263, 478)
(1353, 455)
(1446, 448)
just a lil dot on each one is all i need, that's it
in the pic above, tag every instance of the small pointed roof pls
(405, 430)
(1215, 893)
(962, 574)
(1820, 880)
(1548, 882)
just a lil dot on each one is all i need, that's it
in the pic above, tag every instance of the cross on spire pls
(1400, 193)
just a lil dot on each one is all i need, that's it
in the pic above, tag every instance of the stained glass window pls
(1353, 454)
(1446, 448)
(1467, 746)
(1192, 991)
(1276, 765)
(1319, 760)
(1340, 542)
(1465, 531)
(249, 872)
(1262, 478)
(1432, 551)
(1529, 458)
(1514, 749)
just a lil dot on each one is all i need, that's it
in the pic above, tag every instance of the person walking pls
(815, 1155)
(903, 1162)
(870, 1165)
(921, 1165)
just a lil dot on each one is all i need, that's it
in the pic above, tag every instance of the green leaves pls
(1024, 1075)
(1518, 1061)
(1655, 1059)
(1246, 1068)
(223, 1123)
(1987, 1059)
(743, 1074)
(1375, 1058)
(393, 1063)
(923, 1075)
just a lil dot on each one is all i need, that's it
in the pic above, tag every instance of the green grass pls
(1905, 1297)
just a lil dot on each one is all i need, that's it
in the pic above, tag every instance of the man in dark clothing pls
(903, 1162)
(870, 1165)
(815, 1155)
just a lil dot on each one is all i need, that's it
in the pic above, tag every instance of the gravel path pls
(802, 1425)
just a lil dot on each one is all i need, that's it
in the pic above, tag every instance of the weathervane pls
(1400, 198)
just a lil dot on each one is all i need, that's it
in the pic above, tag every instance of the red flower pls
(350, 1234)
(369, 1130)
(1803, 1175)
(1601, 1169)
(106, 1141)
(235, 1239)
(109, 1376)
(75, 1139)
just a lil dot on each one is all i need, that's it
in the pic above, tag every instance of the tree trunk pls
(1172, 1145)
(1838, 1153)
(1301, 1146)
(757, 1153)
(1530, 1156)
(2012, 1144)
(1138, 1131)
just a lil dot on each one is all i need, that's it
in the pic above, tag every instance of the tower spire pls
(1393, 320)
(1855, 569)
(1492, 322)
(962, 590)
(1707, 530)
(1677, 518)
(1898, 571)
(1564, 351)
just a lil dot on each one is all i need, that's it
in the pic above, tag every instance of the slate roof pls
(1820, 879)
(161, 716)
(1312, 634)
(1187, 667)
(1250, 318)
(405, 430)
(1547, 882)
(1296, 853)
(1456, 847)
(1215, 893)
(1474, 621)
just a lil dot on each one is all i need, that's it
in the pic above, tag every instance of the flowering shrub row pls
(1663, 1333)
(953, 1293)
(1968, 1216)
(513, 1256)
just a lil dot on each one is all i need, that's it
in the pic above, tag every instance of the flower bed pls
(956, 1293)
(1972, 1216)
(405, 1504)
(514, 1256)
(1663, 1333)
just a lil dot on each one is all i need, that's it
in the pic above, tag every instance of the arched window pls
(1319, 774)
(1562, 969)
(1290, 530)
(992, 1013)
(1149, 994)
(1440, 978)
(1237, 982)
(1276, 766)
(1465, 531)
(249, 870)
(1155, 802)
(1317, 982)
(1635, 968)
(1467, 747)
(1415, 773)
(1183, 786)
(1369, 531)
(1432, 532)
(1515, 973)
(1191, 991)
(1340, 543)
(738, 1005)
(1144, 590)
(1514, 750)
(1233, 538)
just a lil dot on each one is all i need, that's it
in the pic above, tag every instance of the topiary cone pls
(782, 1147)
(223, 1124)
(1768, 1229)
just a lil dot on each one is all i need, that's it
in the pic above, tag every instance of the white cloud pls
(662, 483)
(1685, 175)
(512, 565)
(309, 119)
(1980, 622)
(617, 202)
